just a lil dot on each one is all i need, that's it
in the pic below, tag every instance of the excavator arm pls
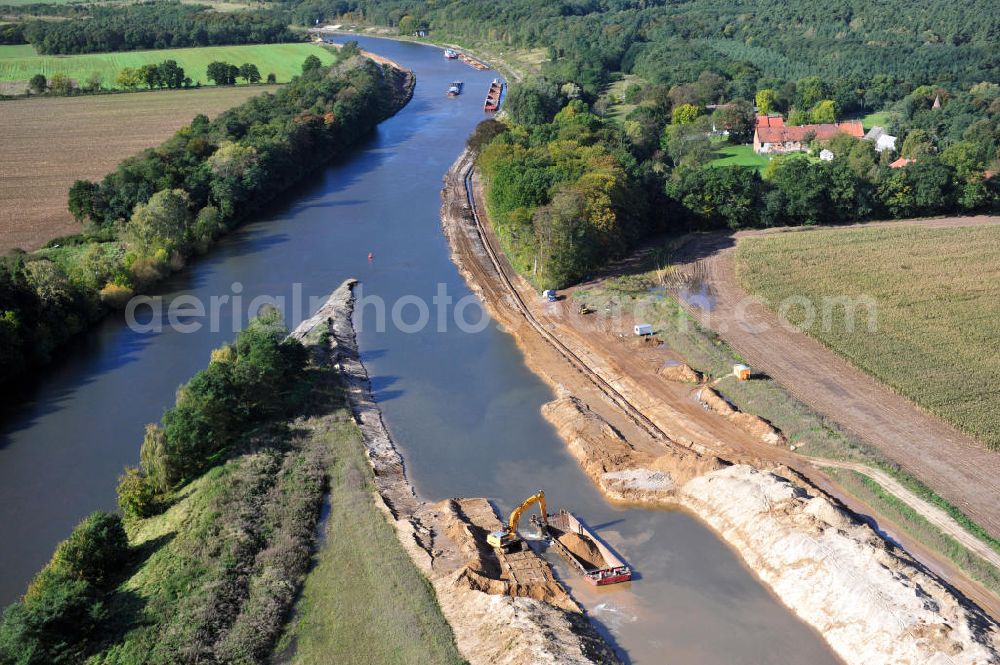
(515, 515)
(507, 537)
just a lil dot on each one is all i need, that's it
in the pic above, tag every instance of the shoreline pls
(494, 619)
(870, 600)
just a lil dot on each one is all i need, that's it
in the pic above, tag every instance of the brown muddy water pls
(462, 405)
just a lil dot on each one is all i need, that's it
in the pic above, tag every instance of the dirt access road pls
(952, 463)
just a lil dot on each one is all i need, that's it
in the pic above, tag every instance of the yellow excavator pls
(506, 538)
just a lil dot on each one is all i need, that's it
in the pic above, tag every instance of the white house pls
(881, 139)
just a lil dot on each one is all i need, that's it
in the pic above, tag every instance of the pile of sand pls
(747, 422)
(680, 372)
(584, 549)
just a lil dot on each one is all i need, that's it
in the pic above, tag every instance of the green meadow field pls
(738, 155)
(19, 63)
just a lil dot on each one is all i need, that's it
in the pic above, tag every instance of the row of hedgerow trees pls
(167, 74)
(158, 207)
(248, 386)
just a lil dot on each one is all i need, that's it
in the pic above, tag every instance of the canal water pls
(462, 405)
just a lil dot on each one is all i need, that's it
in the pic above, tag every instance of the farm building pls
(770, 120)
(882, 140)
(773, 136)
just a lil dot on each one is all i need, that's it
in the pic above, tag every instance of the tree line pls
(166, 74)
(166, 203)
(157, 25)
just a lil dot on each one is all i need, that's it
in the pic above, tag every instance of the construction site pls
(648, 429)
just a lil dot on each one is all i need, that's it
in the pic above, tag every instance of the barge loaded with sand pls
(493, 95)
(598, 564)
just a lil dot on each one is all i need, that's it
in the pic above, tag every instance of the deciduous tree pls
(311, 64)
(160, 225)
(38, 84)
(129, 78)
(824, 112)
(766, 101)
(249, 72)
(685, 114)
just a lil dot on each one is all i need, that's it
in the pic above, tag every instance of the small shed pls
(741, 372)
(643, 329)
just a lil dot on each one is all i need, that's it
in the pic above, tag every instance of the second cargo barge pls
(493, 96)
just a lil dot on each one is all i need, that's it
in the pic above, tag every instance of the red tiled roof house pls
(771, 137)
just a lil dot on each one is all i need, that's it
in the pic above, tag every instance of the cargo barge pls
(472, 62)
(492, 103)
(584, 551)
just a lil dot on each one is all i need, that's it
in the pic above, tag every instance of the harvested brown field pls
(48, 143)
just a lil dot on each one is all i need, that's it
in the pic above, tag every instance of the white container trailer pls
(643, 329)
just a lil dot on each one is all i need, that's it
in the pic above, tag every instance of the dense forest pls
(674, 42)
(166, 203)
(154, 26)
(569, 188)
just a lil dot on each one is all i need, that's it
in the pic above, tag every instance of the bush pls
(38, 84)
(484, 132)
(53, 622)
(56, 619)
(115, 295)
(95, 551)
(136, 497)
